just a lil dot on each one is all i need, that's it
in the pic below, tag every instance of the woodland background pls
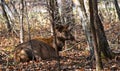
(33, 16)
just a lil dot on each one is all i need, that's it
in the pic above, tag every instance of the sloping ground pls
(72, 60)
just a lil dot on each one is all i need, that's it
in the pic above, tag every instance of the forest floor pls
(72, 60)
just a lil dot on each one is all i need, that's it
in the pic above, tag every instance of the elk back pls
(34, 49)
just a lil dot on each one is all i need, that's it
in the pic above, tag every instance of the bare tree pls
(95, 36)
(66, 10)
(53, 10)
(12, 2)
(99, 39)
(21, 22)
(117, 8)
(7, 14)
(86, 27)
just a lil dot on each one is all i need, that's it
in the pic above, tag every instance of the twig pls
(71, 47)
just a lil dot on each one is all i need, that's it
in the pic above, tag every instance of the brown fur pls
(42, 47)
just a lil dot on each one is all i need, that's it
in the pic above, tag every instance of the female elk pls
(43, 47)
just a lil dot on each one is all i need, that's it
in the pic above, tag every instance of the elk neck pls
(60, 43)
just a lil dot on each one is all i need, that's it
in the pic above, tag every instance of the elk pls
(43, 47)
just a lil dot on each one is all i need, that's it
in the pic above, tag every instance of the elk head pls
(63, 33)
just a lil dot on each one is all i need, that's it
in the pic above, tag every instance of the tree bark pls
(86, 26)
(117, 8)
(21, 22)
(66, 7)
(55, 18)
(14, 8)
(100, 41)
(3, 5)
(95, 36)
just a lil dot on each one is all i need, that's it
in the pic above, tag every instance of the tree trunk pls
(86, 26)
(55, 18)
(21, 22)
(95, 36)
(100, 40)
(66, 7)
(117, 8)
(3, 5)
(14, 8)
